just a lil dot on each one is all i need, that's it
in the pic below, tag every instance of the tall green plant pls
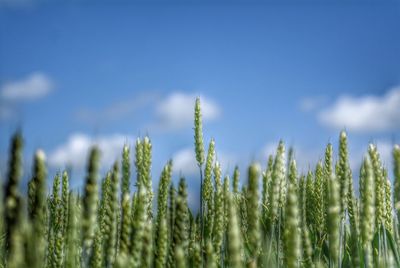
(12, 196)
(90, 197)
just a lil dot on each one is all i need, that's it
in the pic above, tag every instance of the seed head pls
(292, 231)
(198, 133)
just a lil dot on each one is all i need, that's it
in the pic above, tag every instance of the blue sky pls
(72, 74)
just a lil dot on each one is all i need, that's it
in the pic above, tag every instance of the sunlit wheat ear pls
(278, 175)
(253, 213)
(73, 241)
(218, 231)
(126, 171)
(310, 200)
(146, 173)
(292, 176)
(327, 171)
(90, 197)
(54, 223)
(198, 133)
(343, 173)
(138, 161)
(302, 199)
(292, 226)
(207, 194)
(226, 193)
(319, 199)
(125, 229)
(161, 238)
(353, 213)
(333, 220)
(64, 201)
(179, 234)
(234, 235)
(352, 207)
(367, 206)
(388, 204)
(110, 238)
(139, 220)
(306, 242)
(379, 182)
(283, 187)
(266, 181)
(208, 185)
(199, 151)
(104, 203)
(236, 178)
(171, 224)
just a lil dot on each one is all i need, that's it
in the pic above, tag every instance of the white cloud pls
(75, 150)
(365, 113)
(176, 110)
(35, 86)
(185, 161)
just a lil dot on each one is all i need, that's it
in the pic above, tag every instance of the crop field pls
(276, 218)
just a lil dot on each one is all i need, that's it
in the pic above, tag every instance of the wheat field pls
(278, 218)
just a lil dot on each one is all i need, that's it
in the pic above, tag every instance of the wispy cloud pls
(171, 112)
(365, 113)
(184, 162)
(32, 87)
(6, 112)
(309, 104)
(74, 151)
(176, 111)
(118, 110)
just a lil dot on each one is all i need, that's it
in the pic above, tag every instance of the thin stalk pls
(271, 241)
(201, 214)
(379, 245)
(278, 242)
(341, 241)
(385, 250)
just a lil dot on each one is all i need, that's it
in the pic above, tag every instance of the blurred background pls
(75, 73)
